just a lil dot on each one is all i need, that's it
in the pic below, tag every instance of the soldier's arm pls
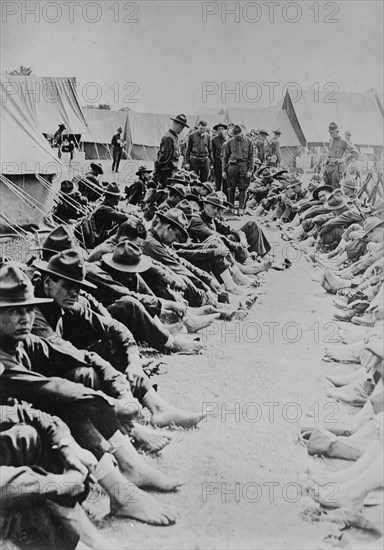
(251, 154)
(352, 152)
(189, 148)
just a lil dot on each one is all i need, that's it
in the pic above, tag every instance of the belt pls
(236, 161)
(200, 156)
(332, 160)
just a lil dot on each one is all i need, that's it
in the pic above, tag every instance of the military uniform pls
(335, 167)
(217, 143)
(274, 151)
(238, 158)
(198, 154)
(168, 156)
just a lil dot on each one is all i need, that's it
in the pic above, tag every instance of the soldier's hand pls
(249, 174)
(187, 166)
(224, 175)
(77, 458)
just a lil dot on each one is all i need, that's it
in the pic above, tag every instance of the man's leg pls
(218, 169)
(243, 186)
(257, 241)
(232, 182)
(119, 155)
(204, 169)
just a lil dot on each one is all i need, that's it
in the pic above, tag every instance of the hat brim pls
(147, 170)
(43, 266)
(191, 197)
(366, 233)
(315, 193)
(31, 302)
(96, 167)
(163, 216)
(143, 265)
(337, 207)
(176, 191)
(217, 126)
(222, 206)
(180, 122)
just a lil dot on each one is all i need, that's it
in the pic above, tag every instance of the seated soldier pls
(70, 204)
(43, 473)
(107, 216)
(175, 194)
(31, 368)
(249, 238)
(65, 320)
(171, 227)
(136, 192)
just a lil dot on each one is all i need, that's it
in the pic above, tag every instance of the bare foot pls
(176, 417)
(185, 346)
(334, 495)
(236, 291)
(145, 508)
(148, 438)
(349, 378)
(142, 474)
(198, 322)
(342, 354)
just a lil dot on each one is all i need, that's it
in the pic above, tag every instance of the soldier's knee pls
(20, 445)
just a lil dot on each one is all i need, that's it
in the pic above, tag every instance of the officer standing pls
(238, 159)
(261, 146)
(217, 143)
(198, 154)
(340, 153)
(274, 155)
(117, 149)
(167, 161)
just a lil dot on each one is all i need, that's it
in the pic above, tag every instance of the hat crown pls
(127, 253)
(59, 239)
(216, 199)
(112, 189)
(336, 199)
(178, 188)
(69, 264)
(66, 185)
(14, 285)
(333, 126)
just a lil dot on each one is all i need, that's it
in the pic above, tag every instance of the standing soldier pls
(238, 159)
(274, 155)
(261, 146)
(217, 143)
(117, 149)
(340, 152)
(167, 161)
(198, 154)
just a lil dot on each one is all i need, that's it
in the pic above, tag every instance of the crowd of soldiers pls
(150, 267)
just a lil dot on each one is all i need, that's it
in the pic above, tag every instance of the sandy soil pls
(240, 466)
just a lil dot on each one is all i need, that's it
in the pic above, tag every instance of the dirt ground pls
(258, 378)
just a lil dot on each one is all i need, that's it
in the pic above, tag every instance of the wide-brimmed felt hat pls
(336, 200)
(293, 180)
(216, 198)
(206, 184)
(371, 224)
(333, 126)
(281, 173)
(262, 131)
(186, 207)
(316, 192)
(119, 129)
(112, 189)
(127, 257)
(16, 288)
(68, 187)
(178, 219)
(277, 131)
(350, 183)
(97, 166)
(62, 126)
(220, 125)
(66, 265)
(177, 178)
(177, 188)
(237, 130)
(143, 169)
(181, 119)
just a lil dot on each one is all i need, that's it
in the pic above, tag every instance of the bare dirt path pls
(257, 379)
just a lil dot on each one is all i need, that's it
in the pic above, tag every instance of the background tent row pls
(30, 107)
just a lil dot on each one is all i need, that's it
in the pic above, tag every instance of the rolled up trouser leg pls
(257, 241)
(134, 316)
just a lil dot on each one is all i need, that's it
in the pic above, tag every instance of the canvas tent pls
(311, 113)
(28, 163)
(102, 125)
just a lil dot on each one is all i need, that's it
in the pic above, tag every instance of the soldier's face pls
(16, 322)
(334, 133)
(323, 196)
(212, 211)
(64, 293)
